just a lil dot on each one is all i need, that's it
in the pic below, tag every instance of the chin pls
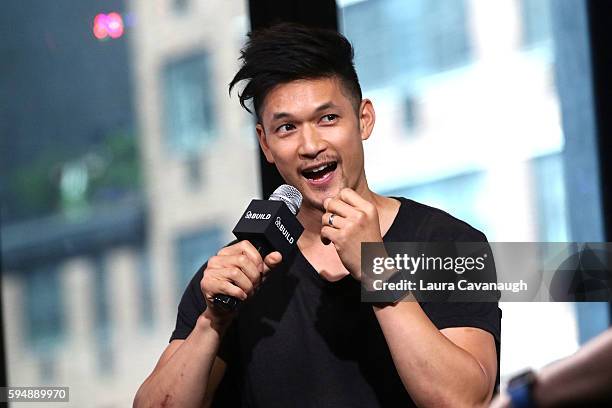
(316, 198)
(315, 202)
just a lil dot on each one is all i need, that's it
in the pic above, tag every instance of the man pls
(580, 380)
(302, 336)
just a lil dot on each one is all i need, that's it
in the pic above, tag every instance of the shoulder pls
(426, 223)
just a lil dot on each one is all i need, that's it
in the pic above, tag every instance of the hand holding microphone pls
(268, 232)
(234, 274)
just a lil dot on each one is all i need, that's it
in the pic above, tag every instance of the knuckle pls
(245, 245)
(230, 289)
(204, 284)
(254, 280)
(239, 293)
(234, 273)
(250, 287)
(242, 259)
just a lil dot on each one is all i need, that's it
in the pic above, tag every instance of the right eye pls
(285, 127)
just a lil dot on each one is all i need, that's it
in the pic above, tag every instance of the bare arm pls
(581, 379)
(451, 367)
(187, 372)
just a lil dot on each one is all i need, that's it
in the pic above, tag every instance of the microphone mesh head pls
(290, 196)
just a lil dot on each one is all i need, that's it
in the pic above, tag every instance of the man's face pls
(311, 133)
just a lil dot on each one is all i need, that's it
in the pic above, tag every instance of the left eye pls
(329, 117)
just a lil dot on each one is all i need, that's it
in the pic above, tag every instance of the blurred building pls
(467, 110)
(90, 291)
(468, 120)
(65, 97)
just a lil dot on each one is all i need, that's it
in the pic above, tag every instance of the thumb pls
(272, 260)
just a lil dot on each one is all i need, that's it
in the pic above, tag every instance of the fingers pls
(272, 260)
(337, 206)
(212, 285)
(244, 247)
(353, 199)
(329, 234)
(337, 222)
(238, 278)
(240, 261)
(348, 204)
(226, 281)
(236, 271)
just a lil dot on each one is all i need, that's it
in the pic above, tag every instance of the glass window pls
(188, 103)
(486, 141)
(102, 307)
(44, 318)
(396, 40)
(536, 21)
(192, 250)
(44, 309)
(145, 286)
(180, 6)
(109, 142)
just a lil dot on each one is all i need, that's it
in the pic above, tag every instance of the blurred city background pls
(125, 163)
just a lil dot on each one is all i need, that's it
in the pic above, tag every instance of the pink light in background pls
(108, 25)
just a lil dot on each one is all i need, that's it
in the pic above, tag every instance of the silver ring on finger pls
(330, 220)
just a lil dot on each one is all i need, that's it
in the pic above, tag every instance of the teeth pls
(319, 168)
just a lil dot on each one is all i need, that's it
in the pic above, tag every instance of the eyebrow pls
(282, 115)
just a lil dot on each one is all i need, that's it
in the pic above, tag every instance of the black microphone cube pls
(270, 224)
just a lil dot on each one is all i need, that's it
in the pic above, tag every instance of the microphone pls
(270, 225)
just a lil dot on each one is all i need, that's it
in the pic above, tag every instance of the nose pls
(312, 144)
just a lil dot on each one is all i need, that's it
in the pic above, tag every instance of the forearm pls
(581, 378)
(434, 370)
(181, 381)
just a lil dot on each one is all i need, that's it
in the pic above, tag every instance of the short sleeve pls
(192, 305)
(482, 315)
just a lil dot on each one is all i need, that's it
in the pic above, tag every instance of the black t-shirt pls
(303, 341)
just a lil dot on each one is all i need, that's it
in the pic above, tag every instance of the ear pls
(261, 136)
(367, 118)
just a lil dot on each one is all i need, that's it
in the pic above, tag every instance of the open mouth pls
(319, 173)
